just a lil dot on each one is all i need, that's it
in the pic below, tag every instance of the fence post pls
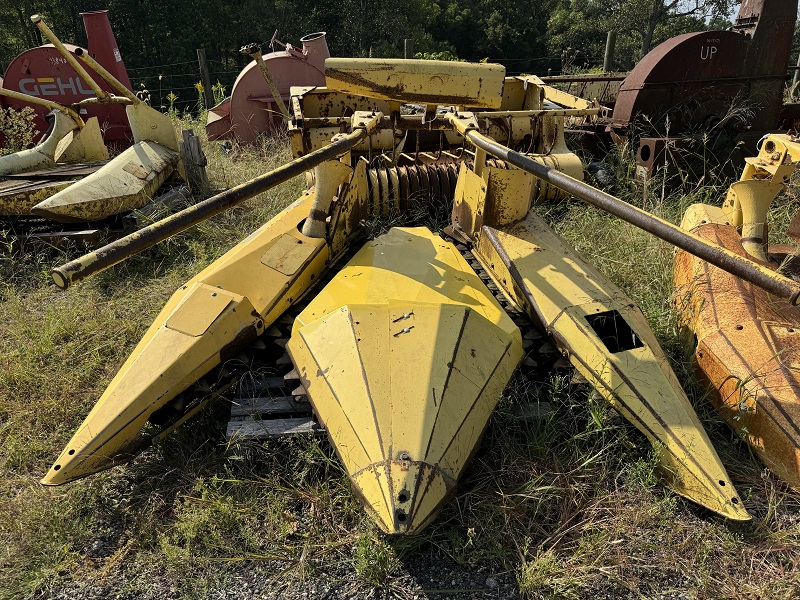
(608, 60)
(408, 48)
(208, 95)
(796, 77)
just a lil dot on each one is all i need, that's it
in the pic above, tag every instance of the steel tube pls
(765, 278)
(117, 251)
(254, 51)
(109, 78)
(42, 102)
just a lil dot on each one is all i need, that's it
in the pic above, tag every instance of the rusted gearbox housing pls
(403, 351)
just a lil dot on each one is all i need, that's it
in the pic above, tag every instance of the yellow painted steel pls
(404, 355)
(125, 183)
(745, 340)
(82, 145)
(432, 82)
(20, 202)
(43, 102)
(206, 322)
(541, 272)
(748, 200)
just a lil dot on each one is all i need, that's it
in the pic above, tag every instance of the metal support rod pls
(796, 77)
(773, 282)
(117, 251)
(46, 103)
(608, 59)
(582, 78)
(255, 53)
(109, 78)
(99, 92)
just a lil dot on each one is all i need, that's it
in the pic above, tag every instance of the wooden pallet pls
(271, 411)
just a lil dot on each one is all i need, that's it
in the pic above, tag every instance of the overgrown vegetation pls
(16, 129)
(565, 506)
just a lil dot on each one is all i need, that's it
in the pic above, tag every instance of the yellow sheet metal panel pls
(404, 355)
(82, 145)
(287, 254)
(563, 277)
(148, 124)
(469, 200)
(410, 263)
(199, 309)
(572, 300)
(446, 371)
(125, 183)
(21, 199)
(639, 383)
(172, 362)
(432, 82)
(748, 351)
(167, 361)
(508, 195)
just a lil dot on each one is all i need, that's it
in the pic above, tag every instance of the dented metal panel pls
(126, 183)
(174, 353)
(432, 82)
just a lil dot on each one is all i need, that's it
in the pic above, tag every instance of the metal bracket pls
(463, 122)
(366, 119)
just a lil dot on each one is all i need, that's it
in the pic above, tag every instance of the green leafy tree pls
(640, 24)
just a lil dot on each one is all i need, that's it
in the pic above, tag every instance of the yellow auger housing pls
(403, 343)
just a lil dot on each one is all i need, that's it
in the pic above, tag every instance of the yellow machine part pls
(610, 343)
(746, 339)
(126, 183)
(20, 201)
(82, 145)
(431, 82)
(41, 156)
(404, 355)
(202, 325)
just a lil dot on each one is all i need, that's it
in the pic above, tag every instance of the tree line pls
(526, 36)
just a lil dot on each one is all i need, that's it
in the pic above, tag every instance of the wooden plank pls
(60, 171)
(249, 430)
(267, 383)
(241, 407)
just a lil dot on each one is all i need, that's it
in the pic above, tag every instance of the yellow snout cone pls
(404, 356)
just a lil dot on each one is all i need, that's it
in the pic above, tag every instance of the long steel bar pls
(42, 102)
(115, 252)
(254, 51)
(110, 79)
(582, 78)
(773, 282)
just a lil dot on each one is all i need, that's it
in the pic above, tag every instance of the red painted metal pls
(45, 73)
(251, 109)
